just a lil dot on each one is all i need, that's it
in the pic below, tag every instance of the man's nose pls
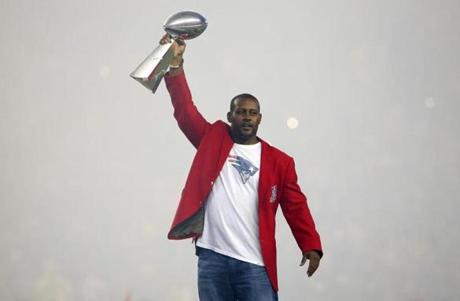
(247, 117)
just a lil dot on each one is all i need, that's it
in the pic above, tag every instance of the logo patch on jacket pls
(274, 194)
(244, 167)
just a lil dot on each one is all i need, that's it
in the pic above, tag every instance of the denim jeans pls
(223, 278)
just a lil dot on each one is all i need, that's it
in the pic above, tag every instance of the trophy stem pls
(152, 70)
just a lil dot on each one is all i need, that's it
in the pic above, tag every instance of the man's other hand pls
(313, 264)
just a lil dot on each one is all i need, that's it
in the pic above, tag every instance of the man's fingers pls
(166, 38)
(180, 42)
(313, 265)
(304, 259)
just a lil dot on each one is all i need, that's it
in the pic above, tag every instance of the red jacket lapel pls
(265, 167)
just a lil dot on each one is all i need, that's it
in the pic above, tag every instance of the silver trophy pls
(183, 25)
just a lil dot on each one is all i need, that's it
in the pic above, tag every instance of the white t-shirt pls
(231, 222)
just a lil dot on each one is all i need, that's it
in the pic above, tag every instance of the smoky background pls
(363, 94)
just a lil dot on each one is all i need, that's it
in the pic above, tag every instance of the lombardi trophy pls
(184, 25)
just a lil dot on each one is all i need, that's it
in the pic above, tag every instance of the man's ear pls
(229, 117)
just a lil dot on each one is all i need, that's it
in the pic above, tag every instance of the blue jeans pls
(223, 278)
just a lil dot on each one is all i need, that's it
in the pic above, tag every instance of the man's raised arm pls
(190, 120)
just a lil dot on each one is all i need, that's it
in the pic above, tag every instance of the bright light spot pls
(147, 270)
(429, 102)
(104, 72)
(149, 230)
(292, 123)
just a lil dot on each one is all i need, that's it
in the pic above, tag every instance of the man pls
(231, 196)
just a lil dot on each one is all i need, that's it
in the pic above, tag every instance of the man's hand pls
(178, 48)
(313, 264)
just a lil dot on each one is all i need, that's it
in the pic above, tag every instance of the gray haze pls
(92, 164)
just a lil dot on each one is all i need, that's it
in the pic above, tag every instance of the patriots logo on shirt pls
(245, 168)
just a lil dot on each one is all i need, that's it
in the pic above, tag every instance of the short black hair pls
(243, 96)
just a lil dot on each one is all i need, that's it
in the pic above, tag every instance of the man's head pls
(244, 118)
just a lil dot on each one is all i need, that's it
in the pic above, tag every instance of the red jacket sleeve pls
(189, 119)
(295, 209)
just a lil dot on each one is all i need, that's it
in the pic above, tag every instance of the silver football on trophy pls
(185, 25)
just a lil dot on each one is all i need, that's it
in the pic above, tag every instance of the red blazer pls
(277, 181)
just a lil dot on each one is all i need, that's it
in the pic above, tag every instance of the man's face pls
(244, 119)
